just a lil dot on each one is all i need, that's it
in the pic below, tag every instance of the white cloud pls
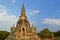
(52, 24)
(13, 1)
(32, 12)
(51, 21)
(6, 20)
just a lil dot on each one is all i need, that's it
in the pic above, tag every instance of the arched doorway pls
(23, 31)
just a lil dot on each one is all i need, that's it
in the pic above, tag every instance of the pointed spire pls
(13, 25)
(23, 11)
(23, 14)
(32, 25)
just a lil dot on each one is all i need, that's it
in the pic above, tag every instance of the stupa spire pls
(23, 11)
(23, 14)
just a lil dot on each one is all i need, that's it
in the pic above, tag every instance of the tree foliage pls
(45, 33)
(3, 35)
(57, 34)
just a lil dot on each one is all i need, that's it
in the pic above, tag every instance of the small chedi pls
(23, 30)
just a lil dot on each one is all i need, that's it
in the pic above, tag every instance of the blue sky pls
(43, 13)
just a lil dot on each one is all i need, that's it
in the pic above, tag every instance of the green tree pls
(45, 33)
(57, 34)
(3, 35)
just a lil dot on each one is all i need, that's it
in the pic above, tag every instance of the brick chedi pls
(23, 30)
